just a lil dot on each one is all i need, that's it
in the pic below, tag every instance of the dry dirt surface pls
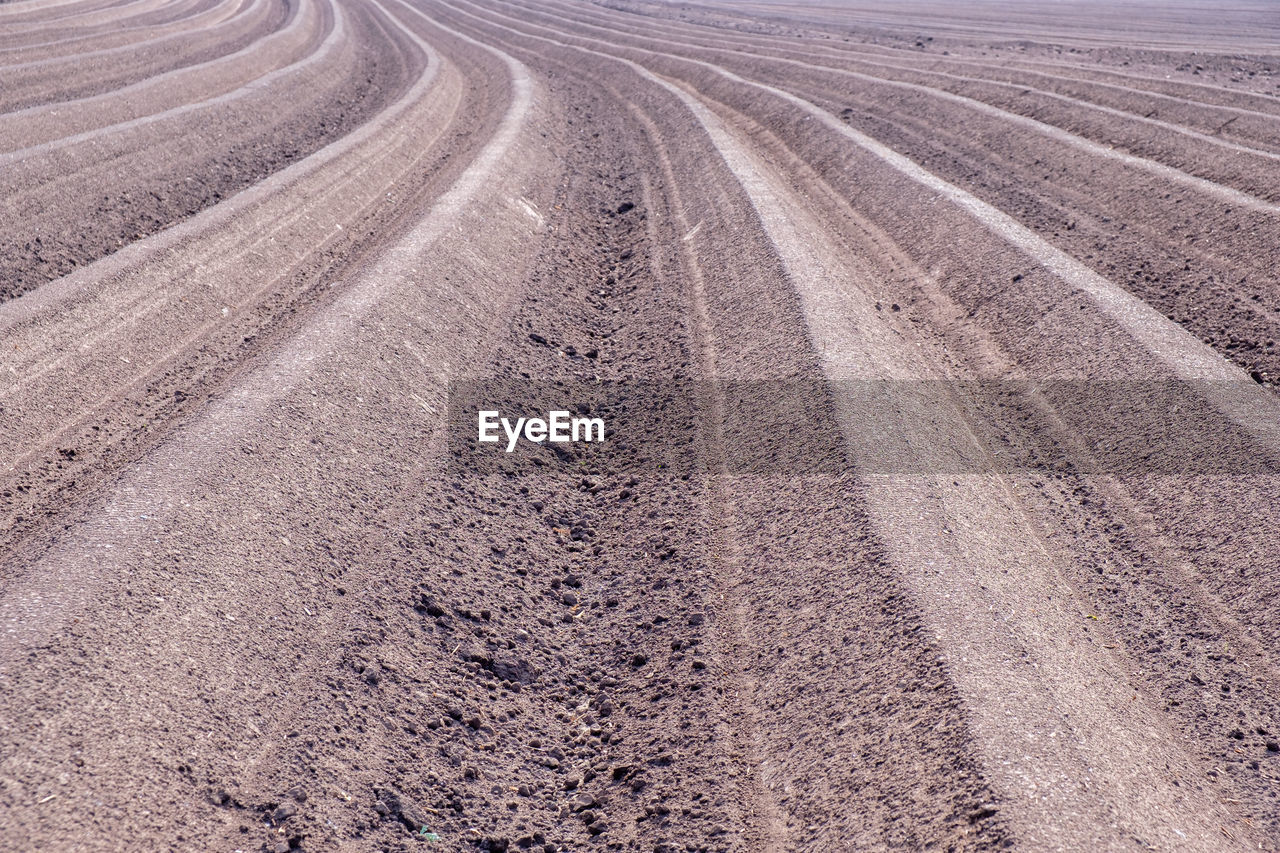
(936, 343)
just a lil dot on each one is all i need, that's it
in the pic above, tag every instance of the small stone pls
(569, 599)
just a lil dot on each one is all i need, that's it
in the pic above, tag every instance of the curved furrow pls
(1179, 112)
(1185, 361)
(15, 10)
(796, 245)
(1193, 357)
(1197, 120)
(140, 293)
(1187, 594)
(1152, 335)
(41, 129)
(210, 150)
(165, 318)
(449, 144)
(1086, 78)
(938, 505)
(678, 760)
(1246, 619)
(325, 40)
(1196, 260)
(996, 23)
(1179, 239)
(88, 21)
(1257, 197)
(1188, 110)
(185, 17)
(1196, 92)
(222, 29)
(62, 39)
(1213, 124)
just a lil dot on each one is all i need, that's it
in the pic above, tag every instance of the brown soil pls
(255, 594)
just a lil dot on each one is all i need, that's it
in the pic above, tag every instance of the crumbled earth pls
(261, 590)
